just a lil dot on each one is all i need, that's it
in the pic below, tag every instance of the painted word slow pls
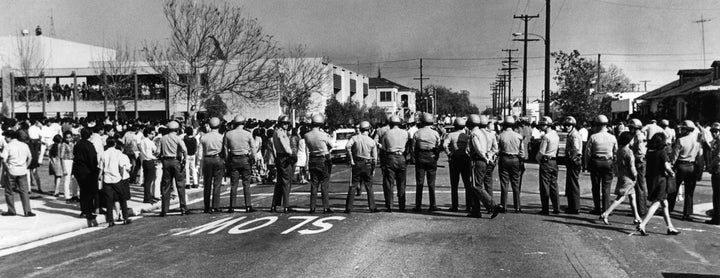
(308, 225)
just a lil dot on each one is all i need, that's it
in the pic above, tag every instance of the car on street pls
(340, 138)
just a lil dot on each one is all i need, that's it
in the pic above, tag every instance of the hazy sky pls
(648, 39)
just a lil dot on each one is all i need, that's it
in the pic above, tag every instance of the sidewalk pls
(55, 217)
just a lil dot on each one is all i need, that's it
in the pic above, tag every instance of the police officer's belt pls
(168, 158)
(509, 155)
(394, 153)
(601, 157)
(685, 162)
(214, 155)
(317, 156)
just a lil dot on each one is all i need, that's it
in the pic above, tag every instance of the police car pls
(340, 139)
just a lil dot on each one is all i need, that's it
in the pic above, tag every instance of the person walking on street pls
(16, 157)
(86, 171)
(639, 148)
(626, 177)
(455, 146)
(393, 143)
(659, 170)
(573, 154)
(240, 148)
(362, 152)
(714, 169)
(284, 160)
(213, 167)
(191, 170)
(426, 144)
(601, 148)
(114, 165)
(318, 144)
(477, 149)
(685, 151)
(511, 151)
(547, 157)
(172, 154)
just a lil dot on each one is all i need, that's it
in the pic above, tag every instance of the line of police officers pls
(473, 150)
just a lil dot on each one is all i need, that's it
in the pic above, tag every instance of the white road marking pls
(690, 252)
(46, 270)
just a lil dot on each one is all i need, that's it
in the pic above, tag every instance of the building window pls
(365, 89)
(385, 96)
(337, 83)
(404, 101)
(353, 87)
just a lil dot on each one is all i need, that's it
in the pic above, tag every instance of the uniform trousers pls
(112, 193)
(509, 172)
(17, 184)
(479, 194)
(488, 180)
(240, 171)
(361, 174)
(640, 185)
(548, 184)
(716, 196)
(601, 175)
(88, 194)
(319, 177)
(460, 167)
(572, 185)
(213, 172)
(395, 169)
(172, 171)
(284, 167)
(148, 167)
(684, 172)
(425, 165)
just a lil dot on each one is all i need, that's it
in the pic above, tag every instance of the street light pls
(547, 67)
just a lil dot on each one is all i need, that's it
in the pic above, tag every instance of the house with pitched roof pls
(695, 95)
(396, 99)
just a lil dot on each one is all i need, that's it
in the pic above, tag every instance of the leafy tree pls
(576, 77)
(449, 102)
(351, 113)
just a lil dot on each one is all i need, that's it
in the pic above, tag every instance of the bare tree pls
(214, 50)
(300, 79)
(116, 68)
(31, 62)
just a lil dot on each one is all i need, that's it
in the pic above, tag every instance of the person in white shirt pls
(114, 171)
(584, 134)
(16, 157)
(46, 136)
(148, 155)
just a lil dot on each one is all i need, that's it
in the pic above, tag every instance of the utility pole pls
(504, 97)
(509, 68)
(525, 39)
(597, 82)
(547, 58)
(645, 83)
(493, 94)
(422, 92)
(702, 30)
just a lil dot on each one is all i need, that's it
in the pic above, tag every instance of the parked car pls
(340, 139)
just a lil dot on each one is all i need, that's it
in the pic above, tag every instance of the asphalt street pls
(438, 244)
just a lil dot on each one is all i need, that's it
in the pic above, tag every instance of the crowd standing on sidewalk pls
(95, 161)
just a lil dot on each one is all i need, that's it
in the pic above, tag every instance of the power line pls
(652, 7)
(557, 14)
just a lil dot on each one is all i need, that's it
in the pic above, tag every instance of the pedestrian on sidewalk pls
(115, 169)
(714, 169)
(148, 156)
(16, 158)
(626, 178)
(65, 152)
(659, 171)
(85, 169)
(55, 165)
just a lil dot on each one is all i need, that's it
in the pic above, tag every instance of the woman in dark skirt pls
(659, 170)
